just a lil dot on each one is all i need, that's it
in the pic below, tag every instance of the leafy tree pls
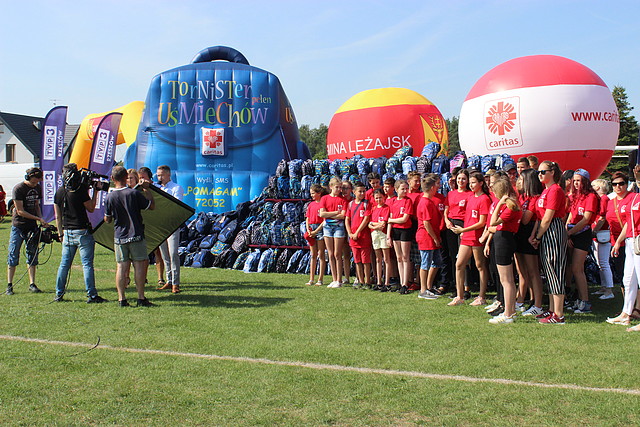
(628, 123)
(316, 140)
(452, 129)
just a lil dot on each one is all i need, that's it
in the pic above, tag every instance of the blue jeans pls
(16, 238)
(74, 239)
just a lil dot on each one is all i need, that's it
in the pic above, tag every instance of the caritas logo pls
(212, 142)
(502, 124)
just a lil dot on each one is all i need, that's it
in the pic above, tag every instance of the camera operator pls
(71, 204)
(169, 247)
(26, 215)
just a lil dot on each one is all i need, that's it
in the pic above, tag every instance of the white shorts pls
(379, 239)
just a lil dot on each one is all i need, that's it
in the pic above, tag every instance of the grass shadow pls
(221, 286)
(204, 300)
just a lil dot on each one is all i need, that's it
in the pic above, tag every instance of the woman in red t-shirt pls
(550, 236)
(584, 204)
(530, 188)
(477, 210)
(620, 184)
(602, 241)
(399, 232)
(333, 208)
(316, 238)
(454, 210)
(629, 211)
(505, 218)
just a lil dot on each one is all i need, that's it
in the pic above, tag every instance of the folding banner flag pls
(51, 158)
(101, 161)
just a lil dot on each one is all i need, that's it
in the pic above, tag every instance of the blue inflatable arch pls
(221, 125)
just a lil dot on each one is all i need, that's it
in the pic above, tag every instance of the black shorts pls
(522, 240)
(505, 246)
(403, 234)
(582, 240)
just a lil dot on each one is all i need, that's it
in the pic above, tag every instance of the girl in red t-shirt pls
(550, 236)
(505, 218)
(314, 228)
(357, 222)
(530, 188)
(602, 241)
(399, 232)
(454, 210)
(333, 208)
(584, 204)
(477, 210)
(378, 226)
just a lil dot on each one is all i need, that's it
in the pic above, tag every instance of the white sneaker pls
(533, 311)
(501, 319)
(335, 285)
(492, 306)
(427, 295)
(519, 308)
(609, 295)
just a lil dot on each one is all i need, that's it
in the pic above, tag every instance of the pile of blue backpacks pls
(266, 234)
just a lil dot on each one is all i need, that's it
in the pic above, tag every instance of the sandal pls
(634, 329)
(456, 301)
(619, 321)
(319, 283)
(478, 301)
(309, 283)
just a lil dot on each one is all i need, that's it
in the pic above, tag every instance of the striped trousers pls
(553, 256)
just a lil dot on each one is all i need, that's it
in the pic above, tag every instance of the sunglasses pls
(618, 183)
(543, 172)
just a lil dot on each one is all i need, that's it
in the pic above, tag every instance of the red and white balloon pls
(546, 105)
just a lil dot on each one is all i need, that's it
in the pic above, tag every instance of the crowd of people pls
(72, 203)
(527, 229)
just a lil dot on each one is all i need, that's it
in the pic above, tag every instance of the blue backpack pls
(363, 166)
(228, 233)
(431, 150)
(440, 165)
(219, 247)
(203, 224)
(403, 152)
(208, 241)
(265, 260)
(292, 265)
(295, 168)
(487, 162)
(334, 167)
(275, 234)
(409, 164)
(378, 165)
(394, 165)
(303, 267)
(203, 259)
(251, 264)
(291, 212)
(305, 187)
(295, 187)
(474, 162)
(242, 258)
(444, 179)
(347, 167)
(283, 187)
(321, 166)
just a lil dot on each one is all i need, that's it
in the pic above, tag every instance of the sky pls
(97, 56)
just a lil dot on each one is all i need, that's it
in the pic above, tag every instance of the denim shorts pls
(430, 259)
(335, 230)
(320, 234)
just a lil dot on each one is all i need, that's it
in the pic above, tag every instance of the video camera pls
(77, 179)
(45, 234)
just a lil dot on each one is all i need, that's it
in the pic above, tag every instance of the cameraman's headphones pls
(33, 172)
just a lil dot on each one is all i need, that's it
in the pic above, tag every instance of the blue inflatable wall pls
(221, 125)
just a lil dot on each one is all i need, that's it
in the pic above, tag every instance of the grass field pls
(275, 317)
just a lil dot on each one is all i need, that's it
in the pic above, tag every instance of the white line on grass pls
(321, 366)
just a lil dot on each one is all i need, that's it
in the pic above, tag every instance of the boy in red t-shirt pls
(428, 234)
(378, 226)
(357, 221)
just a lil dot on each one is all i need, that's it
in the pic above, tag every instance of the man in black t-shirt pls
(123, 207)
(26, 215)
(71, 204)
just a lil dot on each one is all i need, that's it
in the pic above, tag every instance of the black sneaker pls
(123, 303)
(9, 290)
(58, 298)
(497, 311)
(385, 288)
(96, 300)
(145, 303)
(33, 288)
(403, 290)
